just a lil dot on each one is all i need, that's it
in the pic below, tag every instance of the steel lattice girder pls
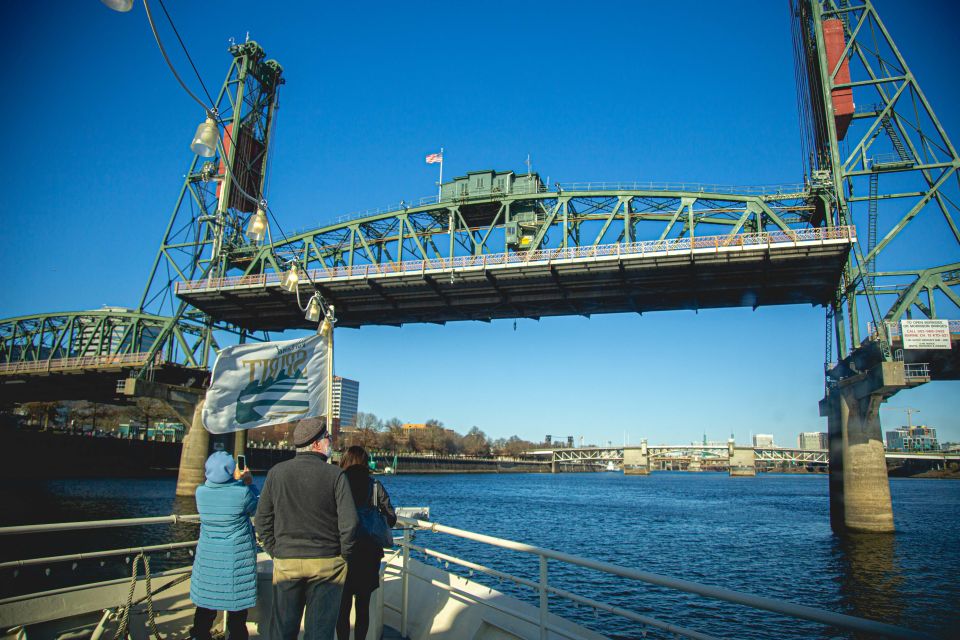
(106, 335)
(897, 175)
(42, 355)
(451, 246)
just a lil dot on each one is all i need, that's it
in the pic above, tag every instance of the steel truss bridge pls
(82, 355)
(715, 453)
(706, 453)
(450, 260)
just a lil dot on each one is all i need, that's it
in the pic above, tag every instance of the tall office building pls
(346, 394)
(763, 440)
(813, 440)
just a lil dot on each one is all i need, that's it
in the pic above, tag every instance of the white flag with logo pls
(261, 384)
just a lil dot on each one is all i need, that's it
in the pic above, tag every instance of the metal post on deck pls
(544, 598)
(405, 583)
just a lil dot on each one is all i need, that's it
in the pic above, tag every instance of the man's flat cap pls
(309, 430)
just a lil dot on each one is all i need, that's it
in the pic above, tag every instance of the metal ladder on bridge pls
(895, 140)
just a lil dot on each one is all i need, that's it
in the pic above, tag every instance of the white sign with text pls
(925, 334)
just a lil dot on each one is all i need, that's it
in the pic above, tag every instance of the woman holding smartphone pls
(225, 567)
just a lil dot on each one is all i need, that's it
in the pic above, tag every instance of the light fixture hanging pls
(205, 139)
(314, 310)
(257, 228)
(291, 279)
(119, 5)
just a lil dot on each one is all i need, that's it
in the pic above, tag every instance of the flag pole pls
(440, 184)
(327, 330)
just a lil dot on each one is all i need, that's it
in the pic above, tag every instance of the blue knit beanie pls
(220, 466)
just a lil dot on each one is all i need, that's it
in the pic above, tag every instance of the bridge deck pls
(710, 272)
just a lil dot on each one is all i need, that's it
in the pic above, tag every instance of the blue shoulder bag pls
(373, 526)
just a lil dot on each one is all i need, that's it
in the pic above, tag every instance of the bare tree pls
(41, 412)
(149, 410)
(475, 443)
(97, 415)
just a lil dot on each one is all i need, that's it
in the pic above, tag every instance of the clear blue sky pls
(96, 144)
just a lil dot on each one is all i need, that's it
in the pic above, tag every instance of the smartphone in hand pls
(242, 463)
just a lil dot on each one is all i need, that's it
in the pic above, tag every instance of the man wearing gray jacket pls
(306, 521)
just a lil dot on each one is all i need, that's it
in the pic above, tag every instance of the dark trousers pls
(203, 622)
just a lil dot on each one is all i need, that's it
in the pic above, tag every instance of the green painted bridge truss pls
(873, 141)
(102, 345)
(539, 251)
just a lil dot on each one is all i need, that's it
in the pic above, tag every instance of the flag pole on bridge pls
(435, 158)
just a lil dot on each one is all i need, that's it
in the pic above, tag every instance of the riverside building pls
(918, 438)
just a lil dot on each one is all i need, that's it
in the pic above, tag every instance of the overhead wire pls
(156, 37)
(185, 51)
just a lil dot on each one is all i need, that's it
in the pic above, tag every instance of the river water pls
(768, 535)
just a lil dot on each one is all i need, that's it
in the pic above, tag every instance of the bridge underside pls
(728, 277)
(95, 385)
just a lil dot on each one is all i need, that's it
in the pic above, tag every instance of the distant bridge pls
(716, 453)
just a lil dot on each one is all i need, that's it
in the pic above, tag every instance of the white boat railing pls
(545, 590)
(541, 584)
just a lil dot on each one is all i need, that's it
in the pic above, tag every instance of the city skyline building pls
(813, 440)
(913, 438)
(346, 397)
(763, 440)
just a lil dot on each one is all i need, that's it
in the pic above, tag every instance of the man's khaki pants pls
(312, 583)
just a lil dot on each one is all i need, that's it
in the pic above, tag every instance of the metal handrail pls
(744, 241)
(72, 557)
(97, 524)
(727, 595)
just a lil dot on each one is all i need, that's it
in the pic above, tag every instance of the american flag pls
(434, 158)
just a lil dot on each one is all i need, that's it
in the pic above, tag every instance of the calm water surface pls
(768, 535)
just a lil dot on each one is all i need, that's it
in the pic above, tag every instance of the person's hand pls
(246, 477)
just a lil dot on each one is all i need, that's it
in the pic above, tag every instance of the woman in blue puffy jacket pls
(225, 567)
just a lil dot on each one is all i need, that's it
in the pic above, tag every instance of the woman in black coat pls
(363, 569)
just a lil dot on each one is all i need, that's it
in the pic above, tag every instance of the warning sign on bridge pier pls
(925, 334)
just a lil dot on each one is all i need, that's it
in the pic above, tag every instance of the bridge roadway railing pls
(106, 361)
(762, 240)
(406, 571)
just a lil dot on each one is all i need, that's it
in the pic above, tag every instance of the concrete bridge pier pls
(193, 455)
(636, 462)
(743, 461)
(859, 487)
(187, 403)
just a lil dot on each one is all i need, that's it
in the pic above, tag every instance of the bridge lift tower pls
(879, 159)
(219, 218)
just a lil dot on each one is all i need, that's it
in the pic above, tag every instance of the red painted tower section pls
(842, 99)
